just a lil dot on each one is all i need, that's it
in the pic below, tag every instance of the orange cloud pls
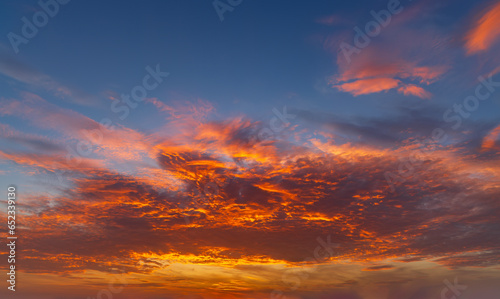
(367, 86)
(215, 199)
(411, 89)
(400, 55)
(375, 70)
(490, 140)
(423, 74)
(485, 32)
(371, 76)
(53, 163)
(119, 142)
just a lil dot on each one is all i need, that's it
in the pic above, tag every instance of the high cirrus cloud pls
(17, 70)
(485, 31)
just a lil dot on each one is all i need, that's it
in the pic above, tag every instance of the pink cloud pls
(329, 20)
(401, 58)
(411, 89)
(118, 143)
(490, 140)
(367, 86)
(485, 32)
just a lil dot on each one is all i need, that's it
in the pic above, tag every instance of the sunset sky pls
(251, 149)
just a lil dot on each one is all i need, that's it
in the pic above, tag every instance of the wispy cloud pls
(398, 59)
(411, 89)
(13, 68)
(490, 141)
(485, 31)
(330, 20)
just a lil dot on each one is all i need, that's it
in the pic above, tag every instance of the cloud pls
(330, 20)
(246, 219)
(35, 143)
(376, 70)
(382, 132)
(367, 86)
(490, 140)
(76, 128)
(52, 163)
(485, 31)
(13, 68)
(378, 268)
(210, 198)
(417, 91)
(401, 58)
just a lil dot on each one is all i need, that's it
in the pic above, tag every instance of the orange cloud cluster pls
(367, 76)
(316, 188)
(400, 59)
(212, 196)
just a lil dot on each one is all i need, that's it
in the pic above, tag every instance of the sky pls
(250, 149)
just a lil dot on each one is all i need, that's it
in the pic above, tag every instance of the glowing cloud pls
(415, 90)
(490, 140)
(485, 32)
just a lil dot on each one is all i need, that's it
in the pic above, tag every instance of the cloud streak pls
(485, 31)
